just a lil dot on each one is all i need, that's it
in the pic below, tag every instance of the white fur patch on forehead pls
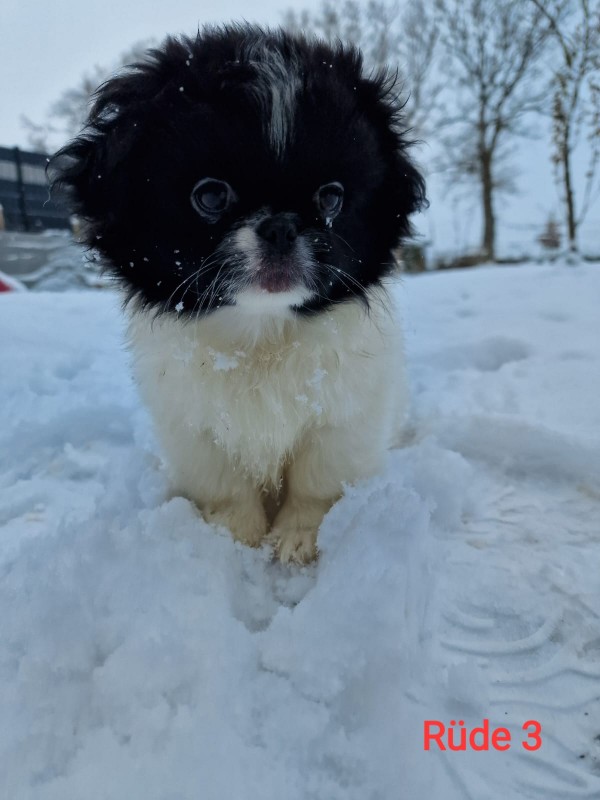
(276, 87)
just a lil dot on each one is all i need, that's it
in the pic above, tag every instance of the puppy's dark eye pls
(211, 198)
(329, 199)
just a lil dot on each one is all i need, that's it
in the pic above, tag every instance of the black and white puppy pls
(247, 188)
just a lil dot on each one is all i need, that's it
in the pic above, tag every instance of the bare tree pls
(575, 27)
(68, 113)
(389, 35)
(491, 56)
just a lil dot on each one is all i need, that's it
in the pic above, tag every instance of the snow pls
(144, 654)
(222, 362)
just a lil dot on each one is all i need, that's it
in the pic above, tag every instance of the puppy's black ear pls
(409, 191)
(405, 185)
(96, 172)
(88, 172)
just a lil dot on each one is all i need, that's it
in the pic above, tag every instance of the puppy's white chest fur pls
(238, 406)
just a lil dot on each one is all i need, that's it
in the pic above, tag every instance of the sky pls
(47, 46)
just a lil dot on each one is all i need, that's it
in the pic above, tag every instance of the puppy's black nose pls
(280, 231)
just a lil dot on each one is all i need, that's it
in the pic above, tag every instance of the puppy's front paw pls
(295, 545)
(248, 524)
(294, 534)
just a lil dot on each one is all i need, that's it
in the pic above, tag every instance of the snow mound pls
(144, 654)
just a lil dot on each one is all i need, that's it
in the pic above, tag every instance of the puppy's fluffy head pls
(245, 168)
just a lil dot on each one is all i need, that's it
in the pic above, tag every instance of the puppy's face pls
(243, 168)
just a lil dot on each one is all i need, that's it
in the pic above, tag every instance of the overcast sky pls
(46, 46)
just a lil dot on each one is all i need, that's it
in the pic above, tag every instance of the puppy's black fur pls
(275, 116)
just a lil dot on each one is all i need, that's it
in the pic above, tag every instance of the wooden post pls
(21, 188)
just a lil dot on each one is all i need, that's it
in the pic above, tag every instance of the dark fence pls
(24, 193)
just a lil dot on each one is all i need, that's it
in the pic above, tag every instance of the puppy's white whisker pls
(341, 238)
(201, 270)
(209, 294)
(341, 274)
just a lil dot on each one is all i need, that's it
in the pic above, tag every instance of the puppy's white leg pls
(241, 513)
(326, 459)
(204, 473)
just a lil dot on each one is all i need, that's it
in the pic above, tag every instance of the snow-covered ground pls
(145, 656)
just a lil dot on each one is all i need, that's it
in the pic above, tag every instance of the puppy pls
(247, 188)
